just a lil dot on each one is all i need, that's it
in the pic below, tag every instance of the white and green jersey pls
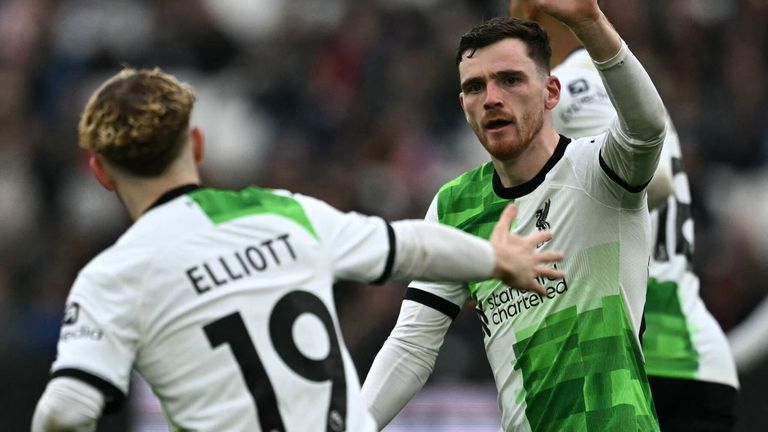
(682, 339)
(223, 302)
(569, 360)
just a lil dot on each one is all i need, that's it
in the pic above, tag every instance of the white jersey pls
(569, 359)
(223, 302)
(596, 311)
(682, 339)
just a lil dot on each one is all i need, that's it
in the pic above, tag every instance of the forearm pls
(394, 378)
(634, 142)
(598, 36)
(405, 362)
(639, 108)
(431, 252)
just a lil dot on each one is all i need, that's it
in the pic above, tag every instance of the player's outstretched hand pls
(518, 263)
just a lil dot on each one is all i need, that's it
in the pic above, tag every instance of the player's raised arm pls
(633, 146)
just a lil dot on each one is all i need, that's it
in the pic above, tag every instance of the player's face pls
(504, 97)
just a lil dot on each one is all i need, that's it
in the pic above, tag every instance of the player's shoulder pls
(121, 256)
(472, 180)
(581, 157)
(319, 218)
(109, 272)
(584, 147)
(224, 205)
(586, 144)
(248, 199)
(466, 196)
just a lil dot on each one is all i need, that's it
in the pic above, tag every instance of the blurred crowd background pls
(354, 102)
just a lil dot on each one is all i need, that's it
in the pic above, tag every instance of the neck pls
(138, 194)
(524, 167)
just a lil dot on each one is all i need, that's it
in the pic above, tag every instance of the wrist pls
(598, 36)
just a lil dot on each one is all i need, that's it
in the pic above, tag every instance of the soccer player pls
(569, 360)
(222, 300)
(687, 356)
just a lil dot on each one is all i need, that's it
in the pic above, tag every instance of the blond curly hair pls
(138, 120)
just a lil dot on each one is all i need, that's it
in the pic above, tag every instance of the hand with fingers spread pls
(518, 263)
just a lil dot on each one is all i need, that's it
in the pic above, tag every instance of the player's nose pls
(492, 96)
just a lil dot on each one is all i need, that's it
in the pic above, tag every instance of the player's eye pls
(472, 87)
(509, 80)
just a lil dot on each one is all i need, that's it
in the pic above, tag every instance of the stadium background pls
(354, 102)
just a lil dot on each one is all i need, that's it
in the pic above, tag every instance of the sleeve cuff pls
(390, 258)
(616, 60)
(114, 398)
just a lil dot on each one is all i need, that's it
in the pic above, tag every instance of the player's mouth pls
(498, 124)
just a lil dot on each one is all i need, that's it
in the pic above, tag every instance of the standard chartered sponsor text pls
(510, 302)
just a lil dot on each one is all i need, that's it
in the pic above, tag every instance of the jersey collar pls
(173, 193)
(531, 185)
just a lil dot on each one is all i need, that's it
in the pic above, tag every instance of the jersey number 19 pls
(231, 330)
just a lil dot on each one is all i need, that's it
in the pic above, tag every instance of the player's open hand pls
(518, 263)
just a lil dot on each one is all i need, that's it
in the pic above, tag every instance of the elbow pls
(659, 129)
(653, 131)
(657, 122)
(648, 126)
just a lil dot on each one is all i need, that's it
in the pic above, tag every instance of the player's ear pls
(553, 92)
(198, 144)
(96, 165)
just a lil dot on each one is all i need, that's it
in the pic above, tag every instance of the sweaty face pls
(504, 97)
